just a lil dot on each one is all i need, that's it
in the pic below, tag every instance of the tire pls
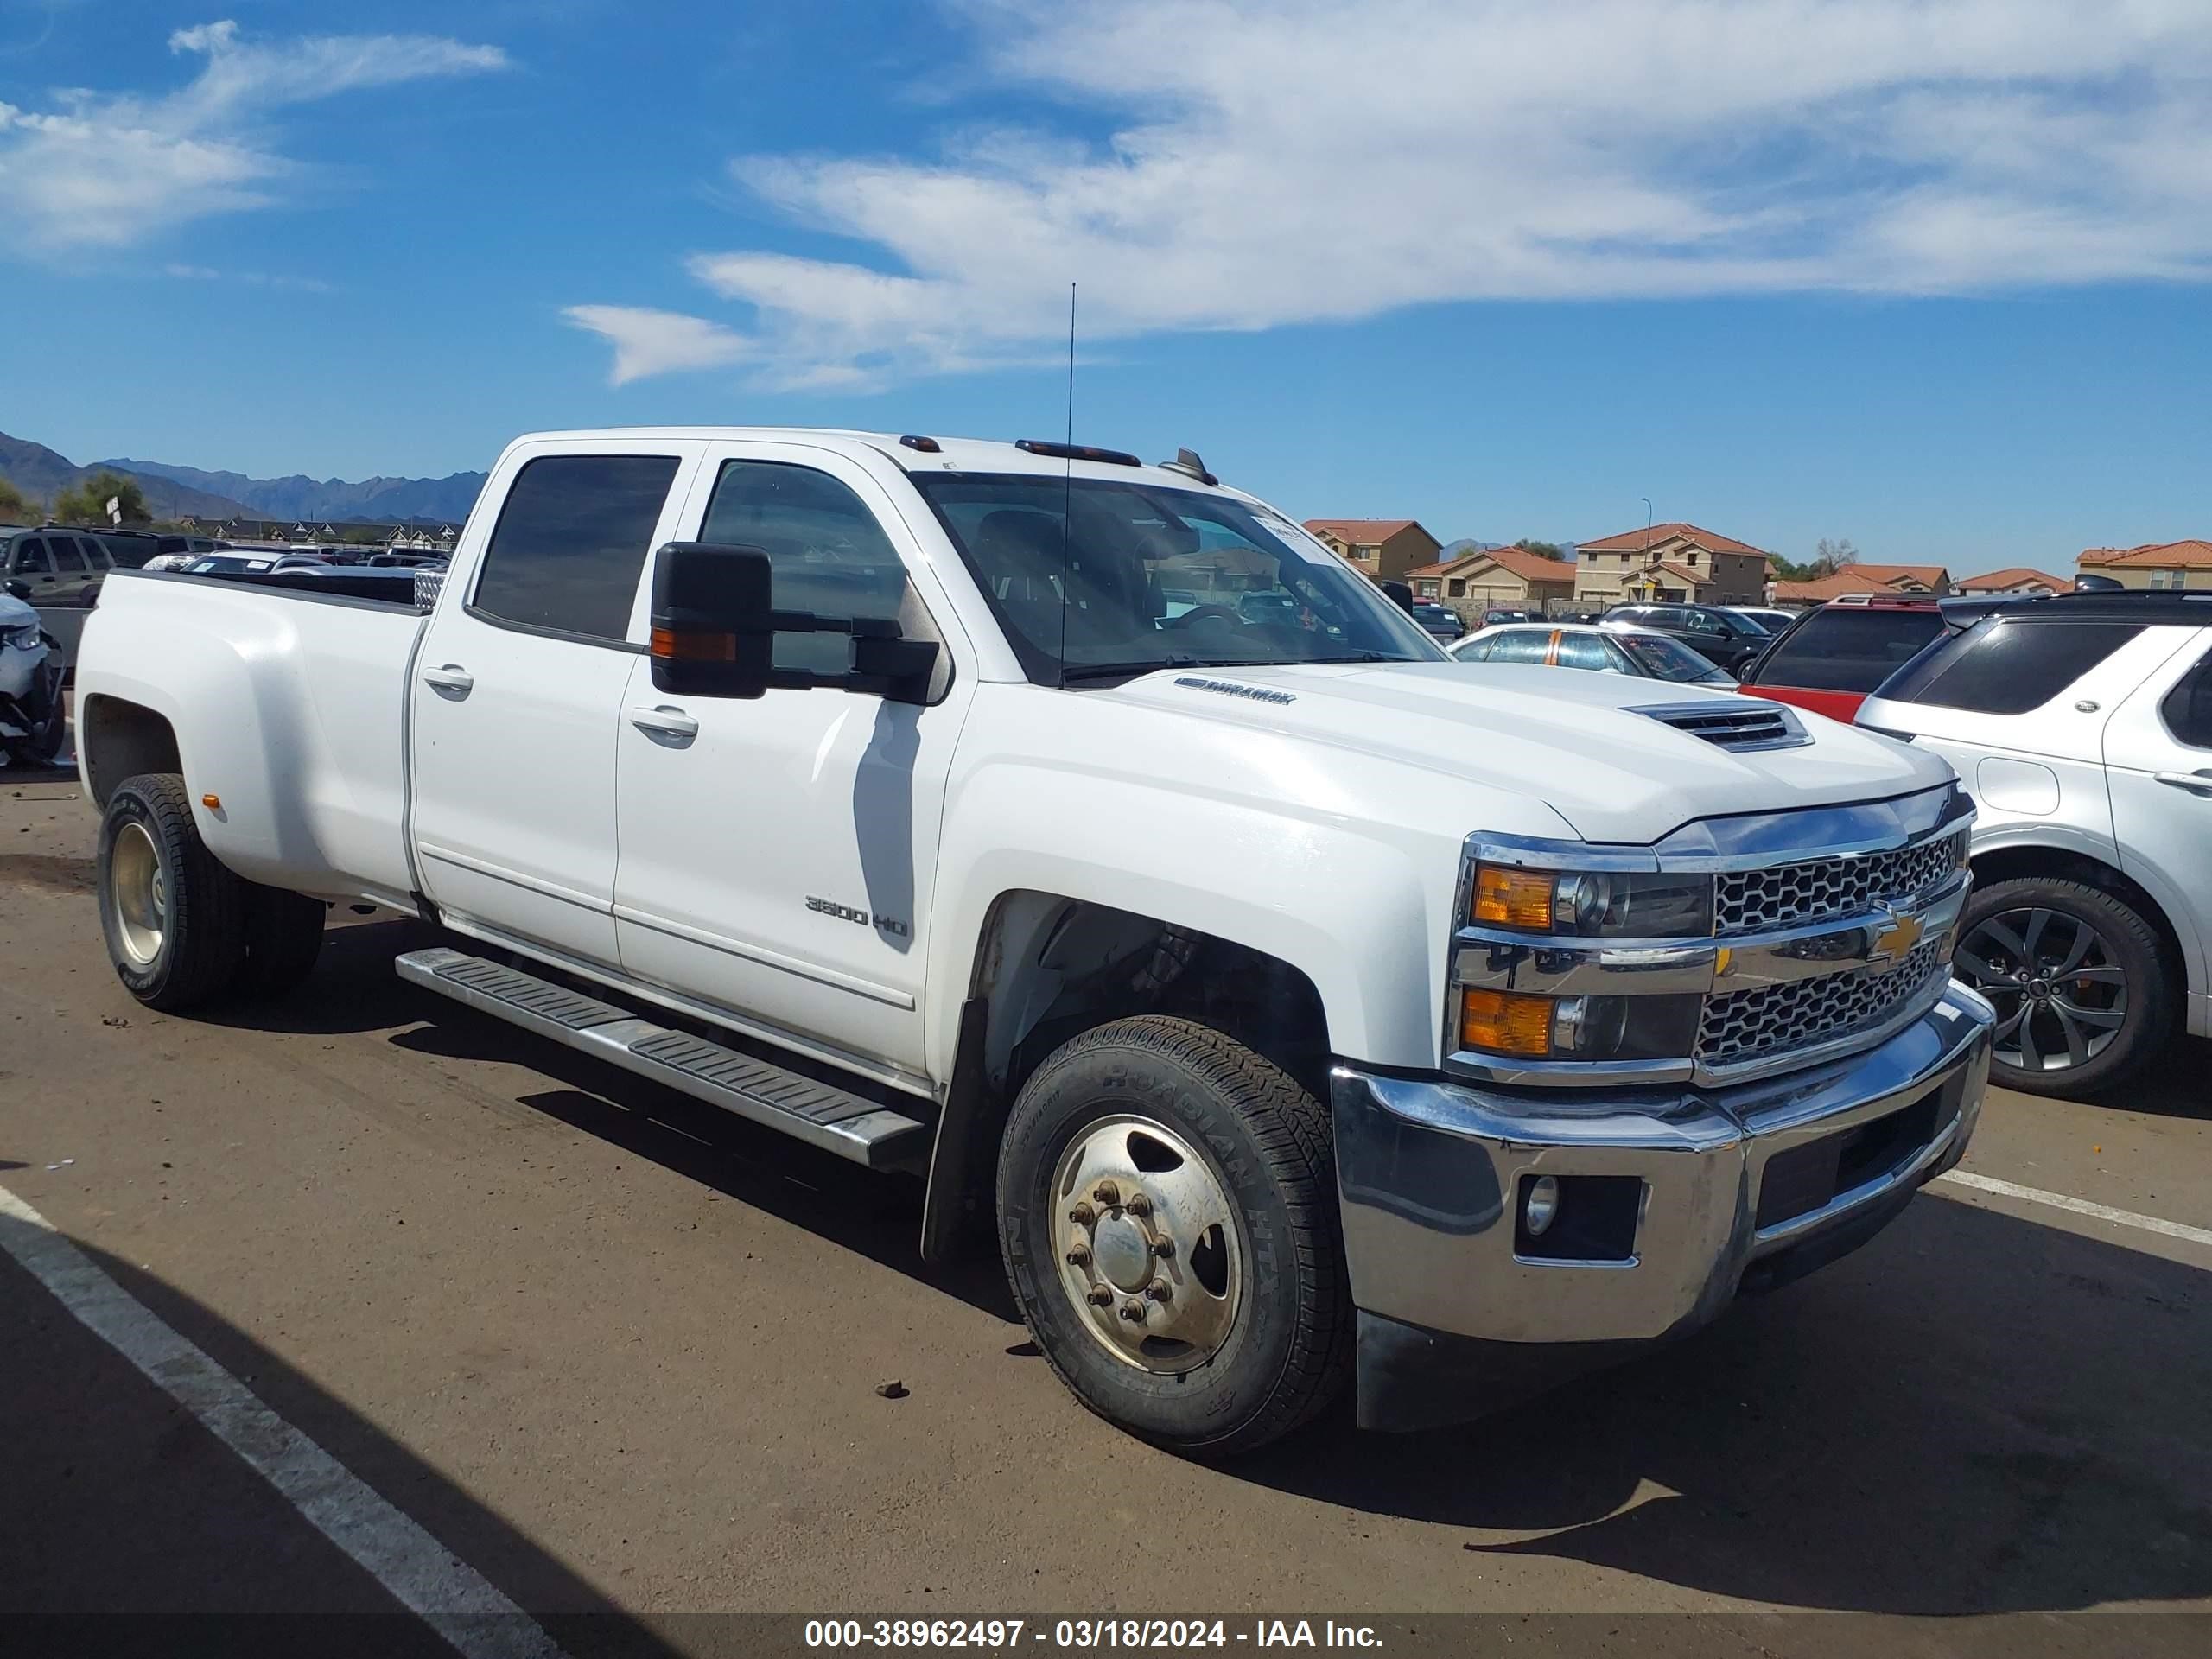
(283, 936)
(44, 742)
(177, 937)
(2080, 980)
(1252, 1337)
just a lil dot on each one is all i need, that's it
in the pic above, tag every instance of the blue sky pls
(1927, 274)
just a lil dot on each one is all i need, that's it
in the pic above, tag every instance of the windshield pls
(1664, 658)
(1157, 578)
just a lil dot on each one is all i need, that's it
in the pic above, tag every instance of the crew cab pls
(1293, 1002)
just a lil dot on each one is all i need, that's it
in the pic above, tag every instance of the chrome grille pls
(1748, 899)
(1742, 1025)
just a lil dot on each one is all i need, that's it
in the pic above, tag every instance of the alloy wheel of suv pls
(2060, 992)
(2081, 979)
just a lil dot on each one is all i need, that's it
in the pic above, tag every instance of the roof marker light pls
(927, 446)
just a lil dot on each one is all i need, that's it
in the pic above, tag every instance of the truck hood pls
(1571, 739)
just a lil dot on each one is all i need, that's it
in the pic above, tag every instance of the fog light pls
(1540, 1204)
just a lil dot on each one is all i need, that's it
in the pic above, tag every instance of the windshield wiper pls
(1106, 671)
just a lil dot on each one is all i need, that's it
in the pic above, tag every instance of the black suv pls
(1721, 639)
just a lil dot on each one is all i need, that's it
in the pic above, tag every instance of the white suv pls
(2083, 726)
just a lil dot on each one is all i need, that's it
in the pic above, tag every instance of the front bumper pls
(1725, 1189)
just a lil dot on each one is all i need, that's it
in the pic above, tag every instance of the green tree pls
(85, 503)
(14, 506)
(1541, 550)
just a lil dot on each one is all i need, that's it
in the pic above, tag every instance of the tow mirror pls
(715, 628)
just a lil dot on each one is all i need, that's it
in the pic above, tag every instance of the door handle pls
(450, 677)
(665, 722)
(2197, 783)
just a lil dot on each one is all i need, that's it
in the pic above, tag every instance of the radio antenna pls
(1067, 492)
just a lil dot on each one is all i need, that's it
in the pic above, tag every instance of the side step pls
(816, 1113)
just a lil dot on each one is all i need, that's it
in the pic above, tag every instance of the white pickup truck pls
(1300, 1004)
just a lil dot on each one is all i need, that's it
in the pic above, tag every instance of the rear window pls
(1848, 648)
(1663, 657)
(571, 542)
(2007, 666)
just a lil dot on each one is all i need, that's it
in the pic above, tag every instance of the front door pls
(777, 852)
(2158, 753)
(518, 691)
(33, 566)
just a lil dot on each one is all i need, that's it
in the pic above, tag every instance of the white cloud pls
(653, 342)
(110, 169)
(1311, 160)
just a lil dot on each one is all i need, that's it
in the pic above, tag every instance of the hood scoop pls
(1738, 724)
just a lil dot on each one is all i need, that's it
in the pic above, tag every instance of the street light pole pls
(1646, 555)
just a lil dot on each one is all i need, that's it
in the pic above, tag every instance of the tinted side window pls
(31, 559)
(1584, 651)
(826, 550)
(1848, 648)
(1522, 645)
(66, 557)
(571, 541)
(1478, 652)
(95, 554)
(2007, 667)
(2188, 708)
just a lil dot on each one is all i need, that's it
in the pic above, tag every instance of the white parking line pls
(2081, 1207)
(447, 1594)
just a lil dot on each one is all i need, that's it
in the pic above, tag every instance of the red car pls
(1833, 659)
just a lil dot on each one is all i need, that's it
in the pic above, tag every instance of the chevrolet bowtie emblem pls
(1894, 940)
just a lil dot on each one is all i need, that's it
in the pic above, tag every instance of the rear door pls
(2159, 754)
(518, 688)
(1830, 662)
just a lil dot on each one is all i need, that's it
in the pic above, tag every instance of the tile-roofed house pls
(2015, 579)
(1381, 548)
(1670, 562)
(1502, 578)
(2155, 564)
(1867, 580)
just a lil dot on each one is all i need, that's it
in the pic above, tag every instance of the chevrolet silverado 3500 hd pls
(1302, 1005)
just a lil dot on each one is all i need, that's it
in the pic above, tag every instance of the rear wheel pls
(1168, 1215)
(173, 916)
(2080, 987)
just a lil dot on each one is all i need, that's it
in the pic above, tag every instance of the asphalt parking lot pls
(617, 1355)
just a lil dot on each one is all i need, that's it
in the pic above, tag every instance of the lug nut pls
(1156, 1291)
(1078, 1254)
(1083, 1215)
(1133, 1312)
(1106, 1192)
(1164, 1248)
(1139, 1205)
(1100, 1297)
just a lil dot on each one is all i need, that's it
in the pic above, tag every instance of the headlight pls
(1622, 905)
(23, 638)
(1577, 1027)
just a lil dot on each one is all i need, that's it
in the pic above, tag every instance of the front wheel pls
(1167, 1214)
(2082, 996)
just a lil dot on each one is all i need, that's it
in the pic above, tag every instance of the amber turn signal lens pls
(1499, 1022)
(673, 646)
(1513, 898)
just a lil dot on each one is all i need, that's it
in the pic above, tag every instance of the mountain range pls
(174, 491)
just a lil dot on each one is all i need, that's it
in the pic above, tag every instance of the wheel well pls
(2064, 864)
(1048, 967)
(121, 739)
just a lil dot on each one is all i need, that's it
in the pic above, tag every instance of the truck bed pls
(288, 702)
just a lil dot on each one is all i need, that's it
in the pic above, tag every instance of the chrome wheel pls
(1148, 1246)
(138, 894)
(2060, 993)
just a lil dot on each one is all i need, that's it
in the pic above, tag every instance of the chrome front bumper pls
(1431, 1174)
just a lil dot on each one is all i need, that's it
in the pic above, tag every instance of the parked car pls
(1441, 622)
(1491, 619)
(1123, 929)
(2083, 724)
(1833, 659)
(1716, 634)
(32, 713)
(1776, 622)
(56, 566)
(1608, 651)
